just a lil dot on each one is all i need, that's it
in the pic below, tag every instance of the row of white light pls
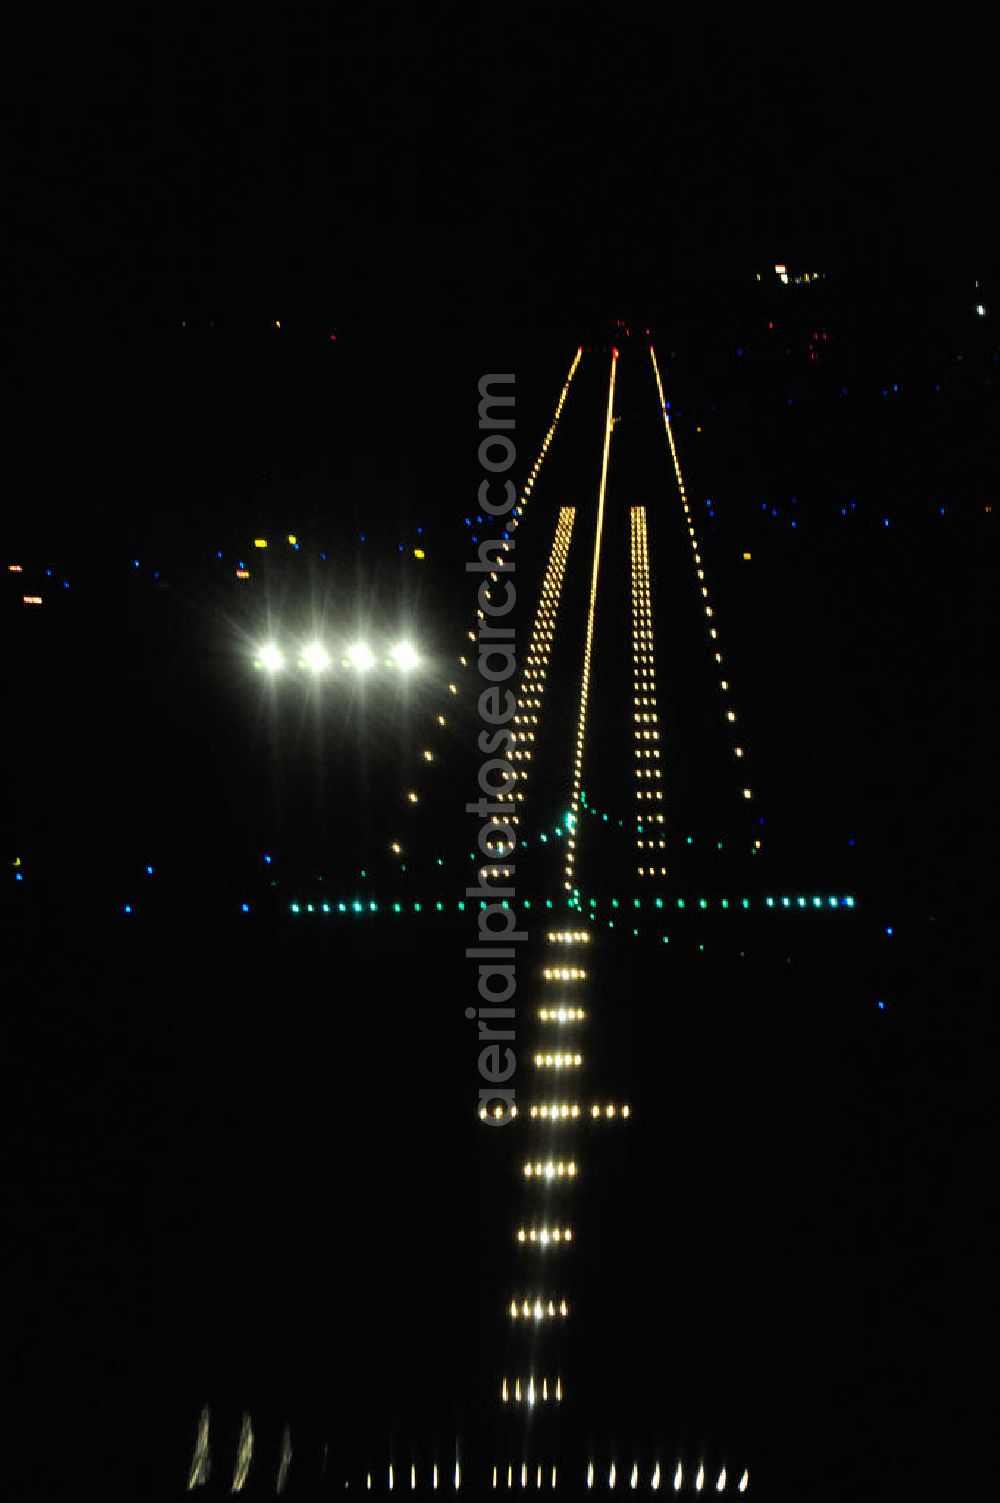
(201, 1462)
(569, 937)
(564, 973)
(654, 1481)
(540, 1471)
(531, 690)
(558, 1061)
(645, 717)
(544, 1236)
(730, 713)
(358, 656)
(581, 729)
(562, 1111)
(527, 1391)
(538, 1309)
(550, 1169)
(561, 1015)
(456, 1477)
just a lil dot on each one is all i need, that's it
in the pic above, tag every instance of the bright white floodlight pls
(271, 657)
(360, 656)
(404, 656)
(316, 657)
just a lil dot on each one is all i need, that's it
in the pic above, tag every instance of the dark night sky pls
(534, 161)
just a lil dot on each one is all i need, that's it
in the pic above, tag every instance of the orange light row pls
(650, 839)
(531, 690)
(713, 631)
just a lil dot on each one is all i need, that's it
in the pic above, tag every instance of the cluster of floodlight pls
(358, 656)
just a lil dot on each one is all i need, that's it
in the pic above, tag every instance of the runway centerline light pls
(271, 657)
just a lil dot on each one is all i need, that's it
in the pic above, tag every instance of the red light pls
(770, 323)
(333, 337)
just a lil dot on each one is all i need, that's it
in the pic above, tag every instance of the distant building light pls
(32, 599)
(242, 573)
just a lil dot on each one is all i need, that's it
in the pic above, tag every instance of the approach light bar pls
(359, 656)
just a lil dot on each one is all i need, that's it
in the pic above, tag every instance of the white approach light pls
(316, 657)
(360, 656)
(271, 657)
(404, 656)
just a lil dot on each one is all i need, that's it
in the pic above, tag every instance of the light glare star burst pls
(360, 656)
(404, 656)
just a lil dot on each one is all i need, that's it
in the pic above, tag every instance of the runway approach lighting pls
(360, 656)
(404, 656)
